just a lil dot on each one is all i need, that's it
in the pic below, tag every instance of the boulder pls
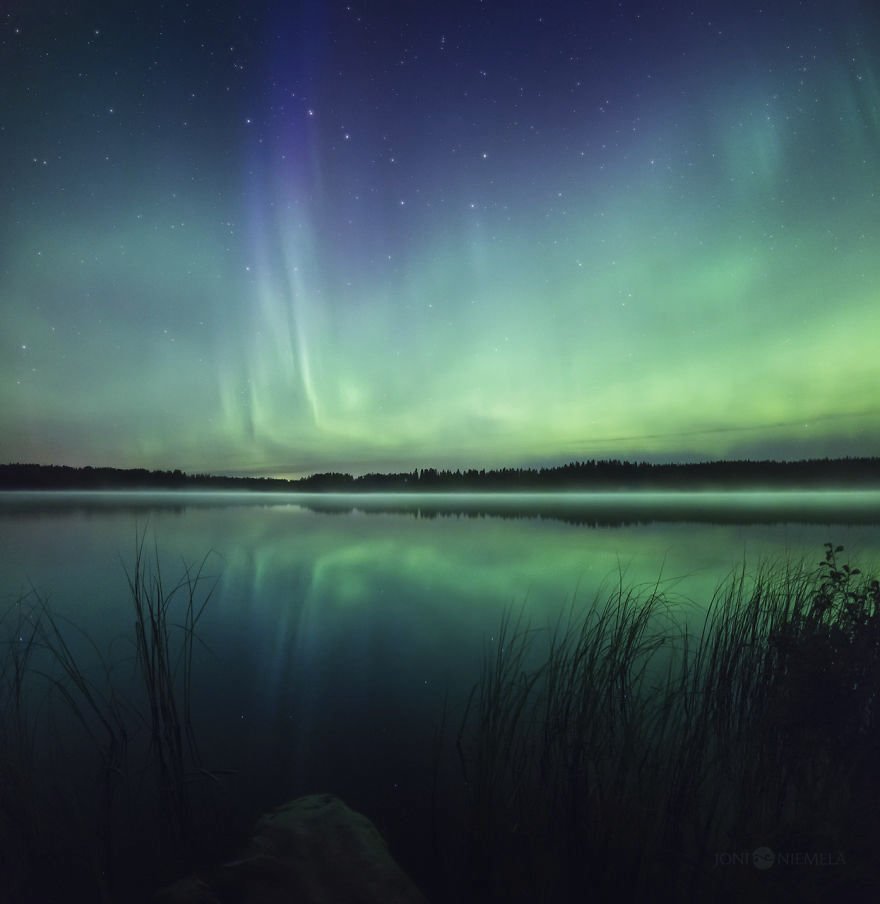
(187, 891)
(312, 850)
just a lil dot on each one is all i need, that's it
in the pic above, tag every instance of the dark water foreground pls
(412, 660)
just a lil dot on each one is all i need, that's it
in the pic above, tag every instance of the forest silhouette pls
(591, 475)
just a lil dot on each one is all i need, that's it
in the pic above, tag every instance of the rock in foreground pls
(313, 850)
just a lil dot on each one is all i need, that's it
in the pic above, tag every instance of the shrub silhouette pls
(826, 659)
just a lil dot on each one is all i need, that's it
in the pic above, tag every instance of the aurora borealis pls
(275, 238)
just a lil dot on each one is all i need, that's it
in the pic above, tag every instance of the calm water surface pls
(338, 624)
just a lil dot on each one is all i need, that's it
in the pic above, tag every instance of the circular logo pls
(763, 858)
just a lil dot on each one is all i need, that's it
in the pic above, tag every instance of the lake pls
(338, 625)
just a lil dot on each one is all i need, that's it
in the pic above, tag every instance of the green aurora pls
(511, 250)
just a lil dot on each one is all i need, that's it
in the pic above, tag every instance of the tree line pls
(593, 474)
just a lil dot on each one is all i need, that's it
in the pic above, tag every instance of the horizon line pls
(535, 469)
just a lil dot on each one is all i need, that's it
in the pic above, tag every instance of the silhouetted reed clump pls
(629, 754)
(121, 828)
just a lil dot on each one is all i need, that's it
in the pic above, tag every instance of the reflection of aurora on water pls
(461, 558)
(365, 252)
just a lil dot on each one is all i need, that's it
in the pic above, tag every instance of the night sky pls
(275, 238)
